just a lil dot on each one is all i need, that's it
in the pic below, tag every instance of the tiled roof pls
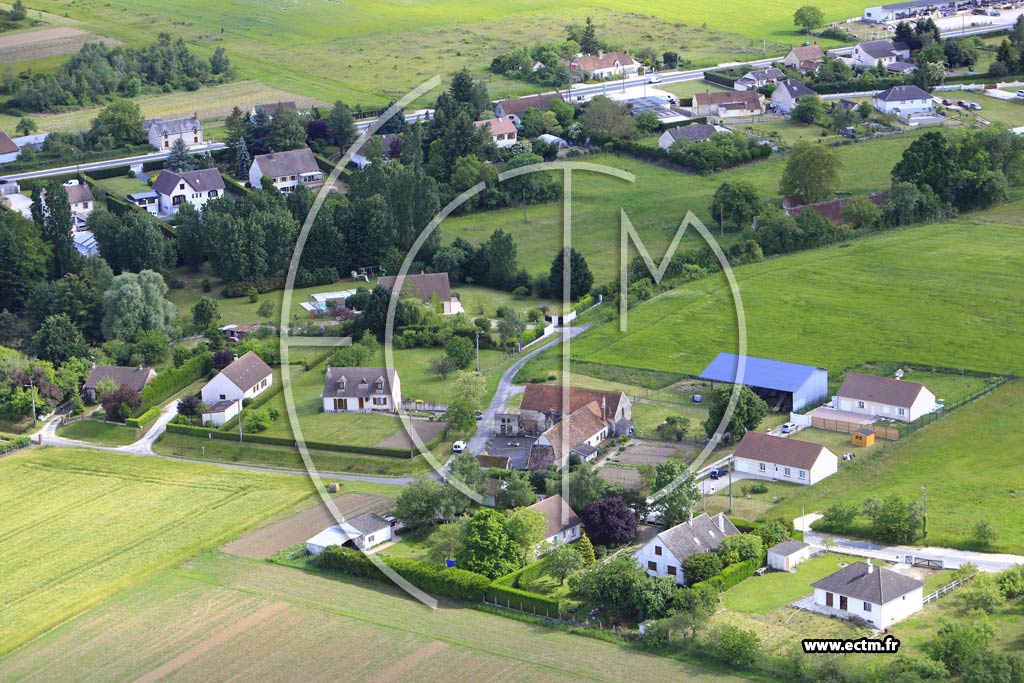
(894, 392)
(134, 378)
(795, 88)
(602, 60)
(79, 193)
(496, 461)
(203, 181)
(292, 162)
(807, 53)
(833, 210)
(7, 145)
(519, 105)
(502, 125)
(173, 126)
(780, 450)
(368, 523)
(702, 534)
(425, 285)
(693, 133)
(750, 98)
(557, 513)
(247, 371)
(576, 428)
(547, 398)
(862, 581)
(879, 49)
(541, 457)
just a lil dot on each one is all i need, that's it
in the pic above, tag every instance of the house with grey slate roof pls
(287, 169)
(903, 100)
(877, 595)
(697, 132)
(361, 390)
(664, 554)
(187, 187)
(163, 132)
(787, 92)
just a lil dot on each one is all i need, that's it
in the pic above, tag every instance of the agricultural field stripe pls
(223, 636)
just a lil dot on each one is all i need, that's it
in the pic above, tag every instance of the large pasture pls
(370, 52)
(81, 525)
(229, 618)
(946, 294)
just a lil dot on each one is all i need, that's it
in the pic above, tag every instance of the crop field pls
(972, 461)
(210, 103)
(82, 525)
(327, 50)
(656, 204)
(46, 42)
(225, 617)
(946, 294)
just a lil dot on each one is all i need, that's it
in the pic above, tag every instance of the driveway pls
(506, 389)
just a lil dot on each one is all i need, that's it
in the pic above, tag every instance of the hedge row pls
(231, 435)
(712, 77)
(139, 422)
(697, 158)
(13, 443)
(857, 85)
(746, 527)
(171, 381)
(235, 186)
(732, 575)
(524, 601)
(433, 578)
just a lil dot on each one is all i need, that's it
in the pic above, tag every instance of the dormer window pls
(380, 385)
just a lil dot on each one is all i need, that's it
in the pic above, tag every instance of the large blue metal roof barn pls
(783, 385)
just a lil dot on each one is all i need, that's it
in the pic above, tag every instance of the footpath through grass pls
(83, 524)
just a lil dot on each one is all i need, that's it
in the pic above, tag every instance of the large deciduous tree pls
(609, 522)
(750, 410)
(811, 174)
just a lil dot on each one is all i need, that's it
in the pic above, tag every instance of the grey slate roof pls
(424, 285)
(203, 180)
(903, 93)
(795, 88)
(247, 371)
(368, 523)
(693, 133)
(862, 581)
(173, 126)
(356, 382)
(134, 378)
(787, 547)
(700, 535)
(220, 406)
(764, 75)
(292, 162)
(880, 49)
(894, 392)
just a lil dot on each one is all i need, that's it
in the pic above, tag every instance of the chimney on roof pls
(600, 53)
(871, 567)
(720, 518)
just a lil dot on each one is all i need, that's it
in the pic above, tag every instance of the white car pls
(1020, 93)
(653, 79)
(459, 446)
(789, 428)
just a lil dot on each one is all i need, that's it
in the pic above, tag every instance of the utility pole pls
(239, 420)
(478, 351)
(924, 487)
(524, 204)
(32, 388)
(729, 465)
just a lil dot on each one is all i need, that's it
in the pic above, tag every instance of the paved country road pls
(111, 163)
(506, 389)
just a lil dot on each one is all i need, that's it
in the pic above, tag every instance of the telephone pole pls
(924, 487)
(478, 351)
(239, 420)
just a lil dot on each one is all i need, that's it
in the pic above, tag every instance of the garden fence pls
(947, 588)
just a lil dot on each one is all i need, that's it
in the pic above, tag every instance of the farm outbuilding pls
(787, 555)
(862, 437)
(784, 386)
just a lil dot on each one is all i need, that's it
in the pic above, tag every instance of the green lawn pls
(971, 460)
(217, 450)
(842, 306)
(100, 522)
(786, 132)
(761, 594)
(656, 204)
(123, 185)
(100, 433)
(685, 89)
(483, 301)
(324, 49)
(1008, 112)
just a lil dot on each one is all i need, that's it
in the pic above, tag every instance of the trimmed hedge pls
(524, 601)
(234, 185)
(731, 575)
(432, 578)
(138, 422)
(13, 443)
(232, 435)
(173, 380)
(694, 158)
(857, 85)
(717, 79)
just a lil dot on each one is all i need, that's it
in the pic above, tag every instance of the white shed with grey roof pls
(361, 532)
(787, 555)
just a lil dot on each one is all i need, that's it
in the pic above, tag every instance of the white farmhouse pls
(664, 554)
(81, 199)
(502, 130)
(192, 187)
(361, 390)
(903, 100)
(362, 532)
(287, 169)
(776, 457)
(563, 522)
(9, 150)
(787, 92)
(884, 397)
(247, 377)
(875, 594)
(869, 54)
(163, 132)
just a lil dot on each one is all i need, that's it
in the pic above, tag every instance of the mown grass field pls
(82, 525)
(656, 204)
(1008, 112)
(761, 594)
(971, 460)
(100, 433)
(223, 617)
(946, 294)
(326, 50)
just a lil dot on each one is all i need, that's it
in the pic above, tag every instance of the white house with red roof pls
(792, 460)
(502, 130)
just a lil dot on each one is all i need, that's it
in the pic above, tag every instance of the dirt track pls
(264, 542)
(47, 42)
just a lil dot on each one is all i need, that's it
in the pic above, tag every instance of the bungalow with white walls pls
(785, 459)
(287, 169)
(903, 100)
(884, 397)
(247, 377)
(877, 595)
